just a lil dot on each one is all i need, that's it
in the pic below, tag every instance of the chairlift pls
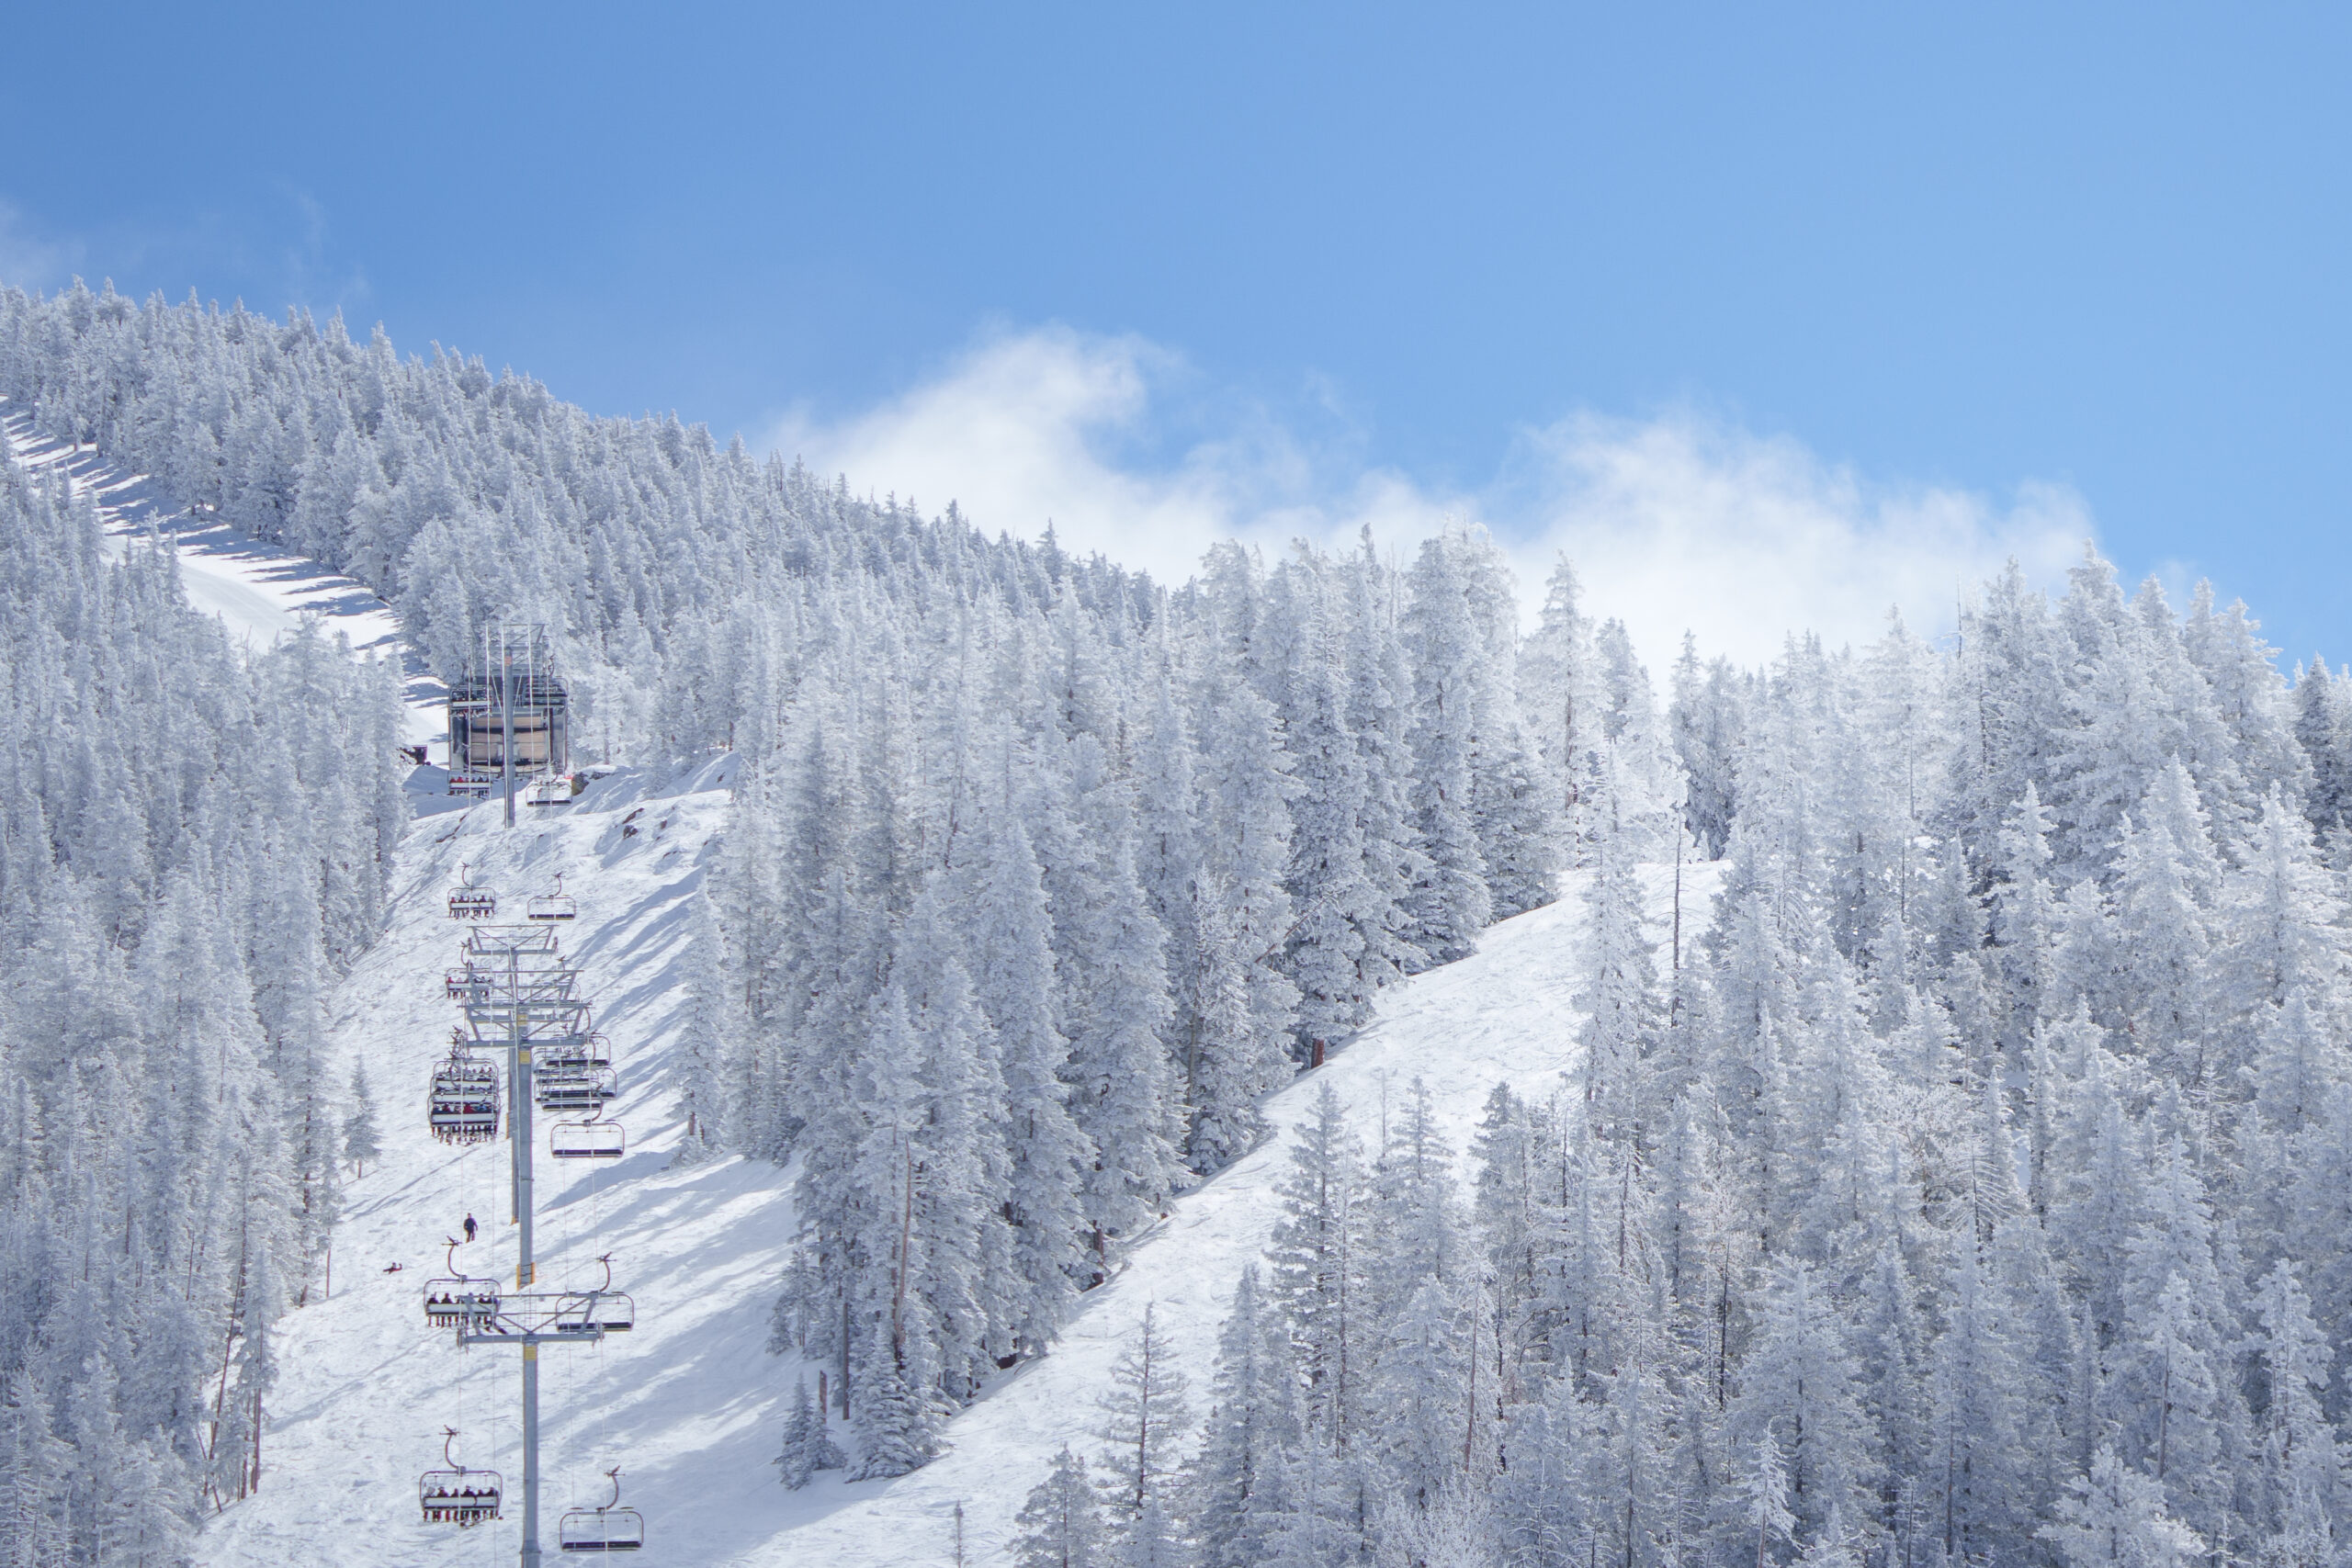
(458, 1496)
(467, 985)
(461, 1107)
(551, 906)
(572, 1055)
(601, 1311)
(468, 901)
(607, 1528)
(551, 789)
(459, 1302)
(577, 1089)
(589, 1138)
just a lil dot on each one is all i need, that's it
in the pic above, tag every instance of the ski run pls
(1327, 1064)
(689, 1403)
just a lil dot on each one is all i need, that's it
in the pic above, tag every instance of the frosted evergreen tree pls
(2322, 724)
(1797, 1393)
(1556, 687)
(360, 1142)
(1013, 987)
(1060, 1525)
(1317, 1276)
(2304, 1464)
(2115, 1517)
(808, 1447)
(1145, 1419)
(1451, 903)
(1240, 1483)
(1620, 994)
(1764, 1509)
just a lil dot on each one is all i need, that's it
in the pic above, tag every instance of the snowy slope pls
(1506, 1013)
(688, 1404)
(259, 591)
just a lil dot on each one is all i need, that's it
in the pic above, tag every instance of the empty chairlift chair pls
(458, 1496)
(609, 1528)
(600, 1311)
(462, 1105)
(589, 1138)
(551, 789)
(459, 1302)
(469, 902)
(551, 906)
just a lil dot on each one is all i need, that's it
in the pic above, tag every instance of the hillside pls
(689, 1403)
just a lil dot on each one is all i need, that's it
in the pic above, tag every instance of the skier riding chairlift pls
(458, 1495)
(469, 902)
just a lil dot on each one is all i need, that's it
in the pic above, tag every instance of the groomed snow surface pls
(688, 1404)
(259, 591)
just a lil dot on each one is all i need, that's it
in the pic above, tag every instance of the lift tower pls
(520, 997)
(510, 721)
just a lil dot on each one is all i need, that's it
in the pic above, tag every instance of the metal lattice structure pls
(519, 997)
(510, 721)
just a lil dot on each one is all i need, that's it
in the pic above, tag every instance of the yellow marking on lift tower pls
(530, 1352)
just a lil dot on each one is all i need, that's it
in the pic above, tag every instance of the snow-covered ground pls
(259, 591)
(1507, 1014)
(688, 1404)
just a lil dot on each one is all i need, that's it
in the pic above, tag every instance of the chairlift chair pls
(607, 1528)
(469, 902)
(601, 1311)
(458, 1302)
(458, 1496)
(589, 1138)
(465, 984)
(570, 1055)
(579, 1090)
(549, 789)
(461, 1107)
(552, 906)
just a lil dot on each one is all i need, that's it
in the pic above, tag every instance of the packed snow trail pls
(687, 1402)
(259, 591)
(1506, 1014)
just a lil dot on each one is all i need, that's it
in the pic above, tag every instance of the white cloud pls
(1673, 522)
(1684, 523)
(28, 259)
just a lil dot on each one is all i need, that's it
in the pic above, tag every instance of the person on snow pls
(470, 1227)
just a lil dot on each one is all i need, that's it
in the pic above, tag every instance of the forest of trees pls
(1975, 1188)
(1972, 1186)
(194, 843)
(1044, 874)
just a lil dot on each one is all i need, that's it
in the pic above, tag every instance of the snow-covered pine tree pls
(360, 1142)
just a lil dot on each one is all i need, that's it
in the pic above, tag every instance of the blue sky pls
(1812, 286)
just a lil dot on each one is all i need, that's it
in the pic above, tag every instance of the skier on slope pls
(470, 1227)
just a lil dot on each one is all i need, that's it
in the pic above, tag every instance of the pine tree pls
(1319, 1264)
(1240, 1483)
(2116, 1519)
(1145, 1417)
(360, 1143)
(808, 1447)
(1061, 1525)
